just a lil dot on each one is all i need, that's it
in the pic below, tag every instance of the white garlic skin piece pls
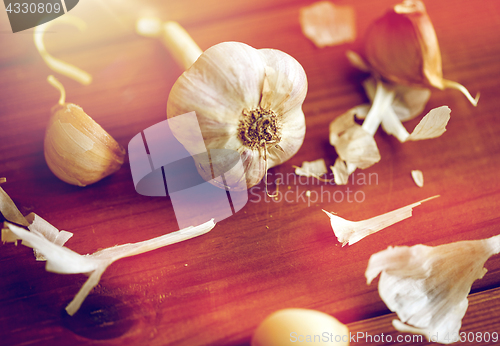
(291, 326)
(224, 83)
(77, 149)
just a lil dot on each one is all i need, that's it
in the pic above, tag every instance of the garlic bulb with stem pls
(428, 286)
(77, 149)
(246, 99)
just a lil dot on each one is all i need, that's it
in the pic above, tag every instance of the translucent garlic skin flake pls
(428, 286)
(350, 232)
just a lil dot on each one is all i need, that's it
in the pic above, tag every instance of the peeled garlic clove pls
(77, 149)
(289, 326)
(402, 47)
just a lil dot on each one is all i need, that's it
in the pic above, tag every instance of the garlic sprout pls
(428, 286)
(57, 65)
(327, 24)
(350, 232)
(65, 261)
(245, 99)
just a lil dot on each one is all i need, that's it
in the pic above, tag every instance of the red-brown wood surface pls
(215, 289)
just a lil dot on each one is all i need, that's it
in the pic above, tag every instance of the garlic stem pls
(180, 44)
(56, 84)
(381, 102)
(454, 85)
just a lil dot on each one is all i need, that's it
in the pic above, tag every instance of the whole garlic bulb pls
(246, 99)
(77, 149)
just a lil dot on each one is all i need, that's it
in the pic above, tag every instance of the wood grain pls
(215, 289)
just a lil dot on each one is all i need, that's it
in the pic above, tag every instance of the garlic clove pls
(428, 286)
(77, 149)
(402, 47)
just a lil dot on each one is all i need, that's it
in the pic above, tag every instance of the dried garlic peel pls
(65, 261)
(312, 169)
(35, 224)
(339, 170)
(261, 116)
(350, 232)
(418, 177)
(57, 65)
(327, 24)
(428, 286)
(354, 145)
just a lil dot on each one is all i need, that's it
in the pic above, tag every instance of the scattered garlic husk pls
(77, 149)
(402, 47)
(428, 286)
(246, 99)
(350, 232)
(354, 145)
(327, 24)
(392, 104)
(418, 177)
(312, 169)
(34, 223)
(62, 260)
(339, 170)
(57, 65)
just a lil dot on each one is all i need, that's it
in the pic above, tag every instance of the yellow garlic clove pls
(289, 326)
(77, 149)
(402, 47)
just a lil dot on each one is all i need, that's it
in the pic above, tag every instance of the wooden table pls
(215, 289)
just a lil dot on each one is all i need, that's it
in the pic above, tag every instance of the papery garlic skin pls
(246, 100)
(77, 149)
(428, 286)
